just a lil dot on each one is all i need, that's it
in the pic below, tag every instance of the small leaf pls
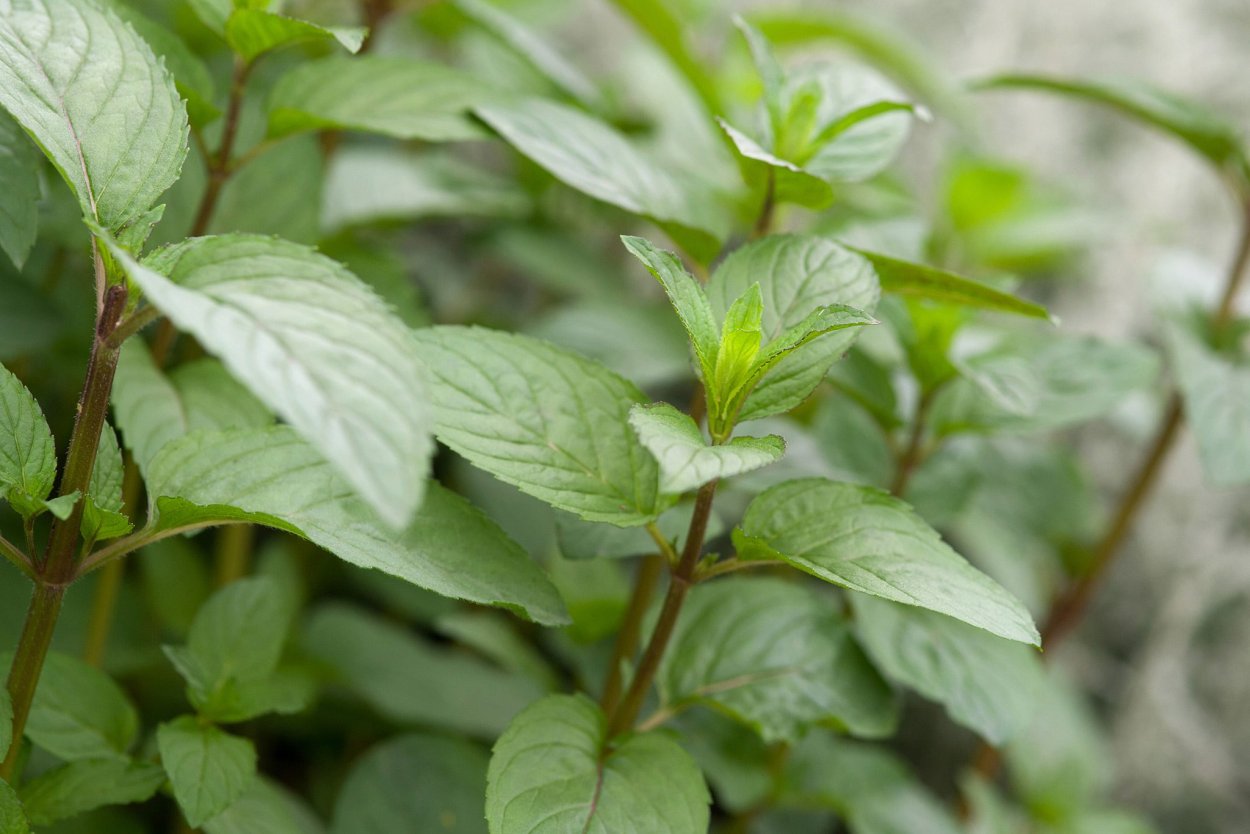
(19, 171)
(592, 157)
(411, 681)
(102, 516)
(253, 32)
(12, 815)
(98, 102)
(549, 422)
(270, 476)
(551, 772)
(81, 786)
(685, 458)
(79, 712)
(313, 343)
(209, 769)
(27, 455)
(914, 280)
(863, 539)
(414, 783)
(986, 683)
(784, 661)
(264, 807)
(687, 298)
(397, 97)
(1216, 390)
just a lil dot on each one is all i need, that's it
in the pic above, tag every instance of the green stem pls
(58, 568)
(628, 637)
(683, 576)
(234, 552)
(914, 453)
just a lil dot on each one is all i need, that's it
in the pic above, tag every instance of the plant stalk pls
(682, 578)
(628, 637)
(57, 569)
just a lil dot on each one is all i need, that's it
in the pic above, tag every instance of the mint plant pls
(611, 556)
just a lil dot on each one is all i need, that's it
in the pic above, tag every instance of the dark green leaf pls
(27, 455)
(78, 787)
(209, 769)
(79, 712)
(19, 170)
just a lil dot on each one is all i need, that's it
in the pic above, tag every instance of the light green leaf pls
(369, 184)
(863, 539)
(102, 516)
(986, 683)
(551, 423)
(252, 32)
(12, 815)
(79, 712)
(797, 274)
(78, 787)
(912, 280)
(397, 97)
(209, 769)
(19, 171)
(27, 454)
(1216, 390)
(686, 460)
(313, 343)
(784, 660)
(411, 681)
(531, 46)
(687, 298)
(791, 183)
(414, 783)
(551, 773)
(1208, 135)
(265, 807)
(271, 476)
(594, 158)
(98, 102)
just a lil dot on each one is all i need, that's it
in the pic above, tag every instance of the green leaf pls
(78, 787)
(152, 409)
(27, 454)
(791, 183)
(1216, 391)
(411, 681)
(12, 815)
(642, 342)
(863, 539)
(533, 48)
(279, 193)
(912, 280)
(797, 274)
(397, 97)
(986, 683)
(414, 783)
(271, 476)
(686, 460)
(594, 158)
(668, 32)
(6, 721)
(102, 516)
(19, 170)
(784, 660)
(313, 343)
(79, 712)
(98, 102)
(687, 298)
(549, 422)
(253, 32)
(585, 540)
(209, 769)
(368, 185)
(264, 807)
(1208, 135)
(552, 772)
(30, 322)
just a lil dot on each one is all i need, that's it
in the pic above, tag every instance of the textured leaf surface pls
(987, 684)
(98, 102)
(253, 32)
(79, 712)
(208, 768)
(12, 815)
(19, 171)
(777, 657)
(397, 97)
(797, 274)
(414, 783)
(82, 786)
(411, 681)
(271, 476)
(313, 343)
(863, 539)
(686, 460)
(549, 775)
(543, 419)
(1217, 404)
(102, 516)
(591, 156)
(915, 280)
(27, 455)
